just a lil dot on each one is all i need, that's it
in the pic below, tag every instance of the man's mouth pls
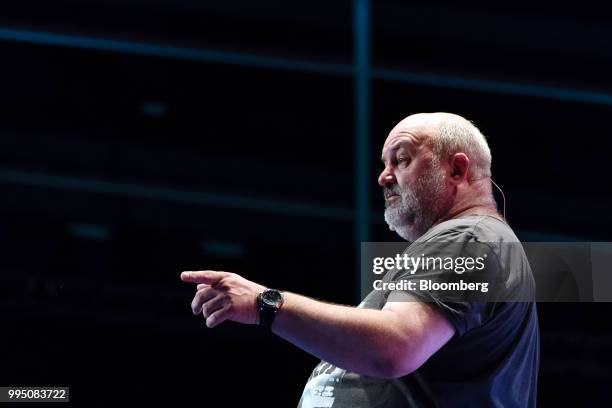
(391, 196)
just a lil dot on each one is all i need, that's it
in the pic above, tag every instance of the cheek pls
(422, 168)
(407, 177)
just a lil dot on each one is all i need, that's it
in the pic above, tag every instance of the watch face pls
(271, 297)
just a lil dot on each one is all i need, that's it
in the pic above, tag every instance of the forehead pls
(411, 138)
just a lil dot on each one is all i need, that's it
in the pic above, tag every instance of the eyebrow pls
(394, 148)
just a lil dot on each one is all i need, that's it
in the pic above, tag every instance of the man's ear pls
(459, 165)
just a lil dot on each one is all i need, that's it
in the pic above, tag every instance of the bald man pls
(409, 348)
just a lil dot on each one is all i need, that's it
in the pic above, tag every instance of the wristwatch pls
(268, 303)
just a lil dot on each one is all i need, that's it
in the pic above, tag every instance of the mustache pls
(395, 189)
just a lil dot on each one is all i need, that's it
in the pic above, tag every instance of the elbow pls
(394, 369)
(394, 363)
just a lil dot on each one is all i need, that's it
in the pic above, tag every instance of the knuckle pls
(207, 308)
(224, 284)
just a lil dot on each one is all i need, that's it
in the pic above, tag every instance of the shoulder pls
(478, 228)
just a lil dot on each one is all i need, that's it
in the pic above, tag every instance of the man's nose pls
(386, 177)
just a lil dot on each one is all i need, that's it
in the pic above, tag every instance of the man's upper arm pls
(422, 330)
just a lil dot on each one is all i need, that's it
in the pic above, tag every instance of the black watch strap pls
(266, 317)
(268, 303)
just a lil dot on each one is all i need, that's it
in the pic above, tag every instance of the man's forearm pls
(359, 340)
(379, 343)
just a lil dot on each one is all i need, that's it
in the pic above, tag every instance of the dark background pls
(140, 139)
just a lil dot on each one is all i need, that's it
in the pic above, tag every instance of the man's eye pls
(403, 161)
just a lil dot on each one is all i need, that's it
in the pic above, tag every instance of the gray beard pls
(419, 207)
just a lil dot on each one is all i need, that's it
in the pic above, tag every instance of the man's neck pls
(482, 209)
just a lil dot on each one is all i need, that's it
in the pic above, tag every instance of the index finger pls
(208, 277)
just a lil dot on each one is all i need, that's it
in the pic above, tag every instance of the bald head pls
(432, 119)
(447, 134)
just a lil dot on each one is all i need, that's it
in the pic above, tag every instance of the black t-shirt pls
(491, 361)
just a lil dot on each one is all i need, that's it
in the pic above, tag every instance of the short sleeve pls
(463, 316)
(463, 295)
